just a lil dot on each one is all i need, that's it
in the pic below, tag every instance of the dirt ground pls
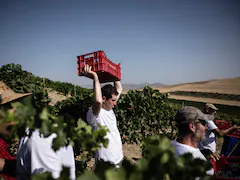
(55, 96)
(132, 152)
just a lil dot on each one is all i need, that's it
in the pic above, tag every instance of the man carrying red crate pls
(208, 147)
(102, 113)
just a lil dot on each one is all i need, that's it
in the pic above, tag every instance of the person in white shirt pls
(102, 113)
(36, 155)
(191, 124)
(208, 146)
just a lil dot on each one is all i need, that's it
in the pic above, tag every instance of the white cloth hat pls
(208, 105)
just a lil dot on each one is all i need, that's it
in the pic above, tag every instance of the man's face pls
(5, 128)
(110, 103)
(200, 131)
(211, 111)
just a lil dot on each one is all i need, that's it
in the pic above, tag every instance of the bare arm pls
(226, 131)
(8, 167)
(2, 163)
(97, 97)
(118, 87)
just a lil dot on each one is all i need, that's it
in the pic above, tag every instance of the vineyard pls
(229, 97)
(229, 113)
(144, 118)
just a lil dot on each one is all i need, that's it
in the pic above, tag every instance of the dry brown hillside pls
(223, 86)
(55, 96)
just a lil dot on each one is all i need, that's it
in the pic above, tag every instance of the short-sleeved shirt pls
(35, 155)
(5, 155)
(210, 141)
(181, 149)
(113, 153)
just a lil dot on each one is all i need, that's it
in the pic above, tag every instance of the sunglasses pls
(203, 122)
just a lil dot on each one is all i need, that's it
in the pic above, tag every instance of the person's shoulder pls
(178, 146)
(90, 113)
(212, 128)
(37, 137)
(90, 110)
(211, 122)
(209, 117)
(174, 141)
(211, 125)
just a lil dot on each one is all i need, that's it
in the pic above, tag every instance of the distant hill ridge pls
(140, 86)
(222, 86)
(127, 87)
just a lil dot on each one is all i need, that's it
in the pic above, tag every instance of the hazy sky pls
(166, 41)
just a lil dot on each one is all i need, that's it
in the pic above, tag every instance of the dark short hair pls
(183, 128)
(108, 90)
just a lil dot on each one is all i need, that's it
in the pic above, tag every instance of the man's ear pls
(192, 127)
(104, 98)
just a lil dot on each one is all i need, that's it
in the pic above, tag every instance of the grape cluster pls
(232, 170)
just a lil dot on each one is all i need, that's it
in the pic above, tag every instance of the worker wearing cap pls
(191, 123)
(208, 147)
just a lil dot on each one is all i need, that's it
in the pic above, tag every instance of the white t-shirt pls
(181, 149)
(35, 155)
(210, 141)
(113, 153)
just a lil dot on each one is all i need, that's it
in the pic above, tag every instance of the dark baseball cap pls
(188, 114)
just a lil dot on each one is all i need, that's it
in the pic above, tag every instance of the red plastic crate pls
(221, 124)
(222, 162)
(107, 71)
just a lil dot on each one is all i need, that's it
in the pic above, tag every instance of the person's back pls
(35, 155)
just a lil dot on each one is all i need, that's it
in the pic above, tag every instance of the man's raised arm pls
(97, 93)
(118, 86)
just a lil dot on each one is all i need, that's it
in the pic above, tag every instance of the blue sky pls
(166, 41)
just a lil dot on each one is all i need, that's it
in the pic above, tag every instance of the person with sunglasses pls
(191, 124)
(208, 146)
